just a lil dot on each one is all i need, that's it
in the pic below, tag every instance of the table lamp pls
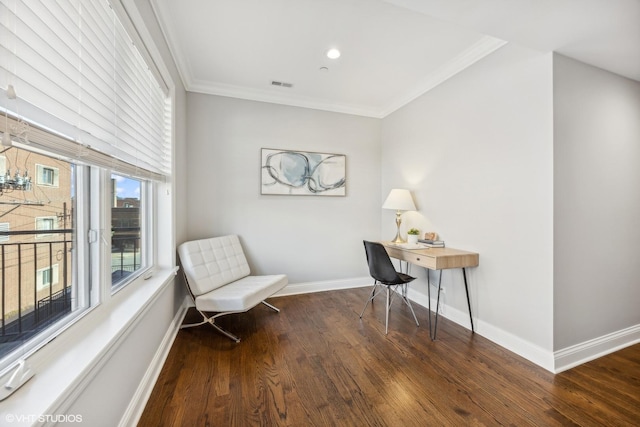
(399, 200)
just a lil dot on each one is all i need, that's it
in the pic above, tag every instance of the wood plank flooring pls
(317, 364)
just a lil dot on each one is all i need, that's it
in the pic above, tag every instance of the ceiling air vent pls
(281, 84)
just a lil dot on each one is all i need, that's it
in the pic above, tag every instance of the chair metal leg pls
(371, 297)
(391, 294)
(386, 323)
(226, 333)
(271, 307)
(211, 320)
(205, 319)
(406, 300)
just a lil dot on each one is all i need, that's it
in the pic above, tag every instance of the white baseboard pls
(327, 285)
(139, 400)
(584, 352)
(554, 362)
(529, 351)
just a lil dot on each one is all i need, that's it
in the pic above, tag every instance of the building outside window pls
(45, 223)
(47, 276)
(4, 228)
(36, 269)
(47, 175)
(127, 231)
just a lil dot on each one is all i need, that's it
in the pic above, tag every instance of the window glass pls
(127, 255)
(36, 269)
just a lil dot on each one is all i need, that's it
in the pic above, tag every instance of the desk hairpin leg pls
(466, 288)
(435, 328)
(432, 331)
(429, 300)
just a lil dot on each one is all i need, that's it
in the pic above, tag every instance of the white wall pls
(597, 202)
(310, 238)
(477, 154)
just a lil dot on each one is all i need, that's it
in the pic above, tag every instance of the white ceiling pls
(392, 51)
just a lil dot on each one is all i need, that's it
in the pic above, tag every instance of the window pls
(114, 117)
(47, 277)
(46, 175)
(39, 278)
(45, 223)
(127, 229)
(4, 228)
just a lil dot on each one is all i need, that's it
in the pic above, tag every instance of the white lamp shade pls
(399, 200)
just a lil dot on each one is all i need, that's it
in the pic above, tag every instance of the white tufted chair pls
(219, 281)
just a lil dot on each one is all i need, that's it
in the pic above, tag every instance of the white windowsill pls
(64, 365)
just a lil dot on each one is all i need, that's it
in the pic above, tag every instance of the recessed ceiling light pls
(333, 53)
(324, 69)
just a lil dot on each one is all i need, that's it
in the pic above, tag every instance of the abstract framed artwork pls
(302, 173)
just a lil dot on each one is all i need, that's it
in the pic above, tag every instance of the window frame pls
(147, 228)
(83, 297)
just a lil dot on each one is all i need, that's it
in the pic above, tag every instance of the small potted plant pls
(412, 235)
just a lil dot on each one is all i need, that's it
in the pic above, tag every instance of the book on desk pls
(431, 243)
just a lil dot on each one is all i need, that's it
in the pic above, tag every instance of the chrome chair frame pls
(212, 319)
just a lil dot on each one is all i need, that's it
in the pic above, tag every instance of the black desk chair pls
(384, 274)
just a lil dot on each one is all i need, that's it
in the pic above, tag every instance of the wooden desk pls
(436, 259)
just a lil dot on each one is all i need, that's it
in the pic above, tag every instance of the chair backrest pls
(380, 266)
(213, 262)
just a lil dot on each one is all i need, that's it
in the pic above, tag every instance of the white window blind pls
(76, 71)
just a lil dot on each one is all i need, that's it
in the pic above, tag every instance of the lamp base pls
(398, 238)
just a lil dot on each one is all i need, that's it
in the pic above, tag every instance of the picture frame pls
(302, 173)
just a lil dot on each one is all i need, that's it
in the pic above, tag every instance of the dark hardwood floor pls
(317, 364)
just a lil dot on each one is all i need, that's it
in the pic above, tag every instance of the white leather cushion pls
(213, 262)
(242, 294)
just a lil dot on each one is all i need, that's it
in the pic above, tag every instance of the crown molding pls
(274, 97)
(182, 64)
(482, 48)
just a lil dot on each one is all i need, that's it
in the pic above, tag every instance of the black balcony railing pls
(33, 297)
(27, 304)
(125, 252)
